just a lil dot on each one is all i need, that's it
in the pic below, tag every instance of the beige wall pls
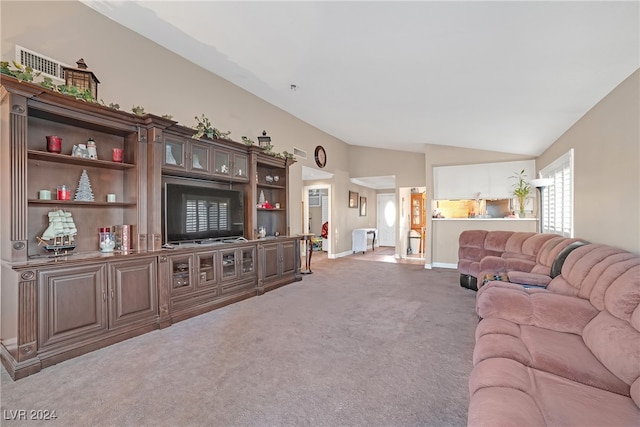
(447, 231)
(606, 143)
(407, 167)
(136, 71)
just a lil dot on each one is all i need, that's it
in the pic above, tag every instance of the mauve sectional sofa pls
(525, 257)
(564, 355)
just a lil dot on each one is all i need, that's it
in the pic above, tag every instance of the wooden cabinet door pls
(221, 162)
(132, 291)
(270, 262)
(72, 304)
(247, 257)
(175, 154)
(288, 257)
(199, 158)
(241, 166)
(182, 280)
(206, 272)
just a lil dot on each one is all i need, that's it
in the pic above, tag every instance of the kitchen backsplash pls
(472, 208)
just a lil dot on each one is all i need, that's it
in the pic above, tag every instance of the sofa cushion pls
(559, 353)
(535, 307)
(616, 344)
(496, 241)
(507, 393)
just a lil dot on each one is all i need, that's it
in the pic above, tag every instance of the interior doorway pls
(317, 214)
(387, 219)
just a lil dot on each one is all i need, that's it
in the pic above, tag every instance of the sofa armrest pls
(535, 307)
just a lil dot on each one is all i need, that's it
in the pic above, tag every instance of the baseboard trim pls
(444, 265)
(340, 255)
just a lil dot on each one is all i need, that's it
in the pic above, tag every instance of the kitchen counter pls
(445, 233)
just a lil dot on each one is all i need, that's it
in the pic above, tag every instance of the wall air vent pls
(48, 67)
(299, 153)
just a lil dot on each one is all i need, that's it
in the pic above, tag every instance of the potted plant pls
(521, 189)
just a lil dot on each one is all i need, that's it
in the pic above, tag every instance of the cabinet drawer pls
(229, 288)
(187, 301)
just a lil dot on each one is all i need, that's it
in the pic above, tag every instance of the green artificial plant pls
(205, 128)
(521, 188)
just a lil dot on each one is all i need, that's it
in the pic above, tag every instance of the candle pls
(64, 193)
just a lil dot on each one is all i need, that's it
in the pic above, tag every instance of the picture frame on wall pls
(363, 206)
(353, 199)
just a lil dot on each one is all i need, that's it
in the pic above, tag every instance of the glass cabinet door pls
(222, 162)
(229, 264)
(181, 267)
(240, 166)
(206, 264)
(174, 154)
(247, 260)
(199, 158)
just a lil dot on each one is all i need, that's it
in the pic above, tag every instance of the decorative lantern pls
(264, 140)
(81, 78)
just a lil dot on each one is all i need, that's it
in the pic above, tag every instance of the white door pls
(387, 217)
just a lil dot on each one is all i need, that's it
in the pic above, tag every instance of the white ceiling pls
(504, 76)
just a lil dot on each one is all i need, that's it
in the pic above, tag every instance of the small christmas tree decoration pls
(84, 193)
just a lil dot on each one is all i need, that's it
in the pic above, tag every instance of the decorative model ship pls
(59, 236)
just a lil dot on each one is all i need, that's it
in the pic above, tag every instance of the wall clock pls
(321, 156)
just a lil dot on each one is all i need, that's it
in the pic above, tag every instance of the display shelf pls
(273, 186)
(71, 160)
(79, 203)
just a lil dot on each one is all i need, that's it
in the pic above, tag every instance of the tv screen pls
(196, 213)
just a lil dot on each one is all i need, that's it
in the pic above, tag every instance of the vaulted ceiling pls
(504, 76)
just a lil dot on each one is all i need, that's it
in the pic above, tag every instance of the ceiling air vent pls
(300, 154)
(47, 66)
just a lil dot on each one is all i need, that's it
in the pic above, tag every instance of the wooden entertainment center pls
(55, 308)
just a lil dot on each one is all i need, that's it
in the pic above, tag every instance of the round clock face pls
(321, 156)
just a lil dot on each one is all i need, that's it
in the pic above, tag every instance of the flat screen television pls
(195, 213)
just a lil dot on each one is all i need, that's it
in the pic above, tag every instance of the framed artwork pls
(363, 206)
(353, 199)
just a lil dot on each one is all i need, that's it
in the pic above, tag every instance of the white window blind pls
(203, 215)
(557, 200)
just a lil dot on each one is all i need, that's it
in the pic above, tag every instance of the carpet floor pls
(354, 344)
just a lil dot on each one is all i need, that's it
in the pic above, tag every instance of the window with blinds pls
(557, 199)
(206, 215)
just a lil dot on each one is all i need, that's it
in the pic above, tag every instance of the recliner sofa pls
(482, 253)
(567, 354)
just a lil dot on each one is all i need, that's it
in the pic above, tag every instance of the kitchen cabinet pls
(485, 181)
(279, 263)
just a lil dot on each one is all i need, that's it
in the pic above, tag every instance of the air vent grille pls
(299, 153)
(47, 66)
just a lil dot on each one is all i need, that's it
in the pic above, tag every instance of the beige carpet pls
(354, 344)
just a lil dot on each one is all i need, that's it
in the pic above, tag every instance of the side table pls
(307, 238)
